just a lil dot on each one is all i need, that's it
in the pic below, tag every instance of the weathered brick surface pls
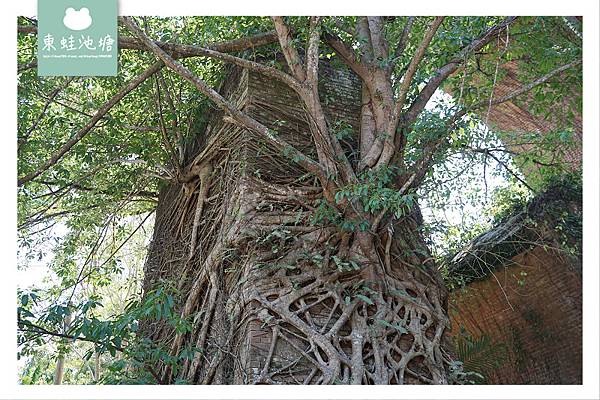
(277, 106)
(515, 118)
(539, 319)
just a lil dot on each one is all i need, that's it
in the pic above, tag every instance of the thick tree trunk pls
(276, 290)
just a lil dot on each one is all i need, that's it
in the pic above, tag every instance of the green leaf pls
(397, 327)
(365, 299)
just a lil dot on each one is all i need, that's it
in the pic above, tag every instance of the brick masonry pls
(537, 316)
(539, 319)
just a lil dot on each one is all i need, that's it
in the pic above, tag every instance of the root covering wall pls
(271, 296)
(254, 276)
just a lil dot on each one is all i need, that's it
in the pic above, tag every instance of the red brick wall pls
(515, 119)
(538, 319)
(510, 117)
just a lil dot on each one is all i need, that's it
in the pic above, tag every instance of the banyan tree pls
(288, 225)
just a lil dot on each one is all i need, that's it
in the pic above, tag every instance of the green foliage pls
(507, 201)
(325, 213)
(458, 376)
(479, 356)
(559, 194)
(74, 217)
(342, 130)
(117, 336)
(538, 44)
(452, 219)
(396, 326)
(115, 159)
(374, 193)
(463, 180)
(360, 292)
(349, 265)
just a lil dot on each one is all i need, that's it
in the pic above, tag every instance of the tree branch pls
(519, 92)
(49, 99)
(510, 171)
(389, 144)
(225, 105)
(28, 66)
(78, 186)
(124, 91)
(289, 51)
(403, 40)
(168, 146)
(529, 86)
(425, 162)
(340, 25)
(312, 54)
(380, 46)
(347, 54)
(363, 34)
(445, 71)
(412, 67)
(251, 65)
(175, 124)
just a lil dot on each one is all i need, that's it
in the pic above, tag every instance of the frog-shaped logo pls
(77, 20)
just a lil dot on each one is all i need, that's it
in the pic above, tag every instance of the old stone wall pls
(275, 105)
